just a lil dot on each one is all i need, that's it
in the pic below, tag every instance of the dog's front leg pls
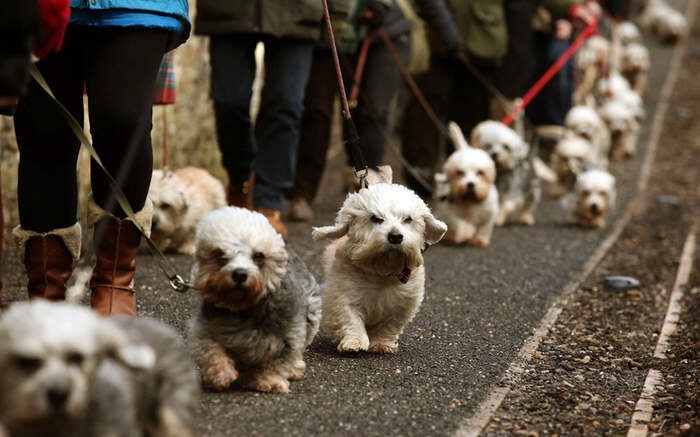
(385, 338)
(482, 238)
(269, 380)
(218, 368)
(352, 334)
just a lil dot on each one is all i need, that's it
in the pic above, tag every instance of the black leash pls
(353, 139)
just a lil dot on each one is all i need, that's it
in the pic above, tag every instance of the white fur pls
(628, 33)
(635, 66)
(568, 158)
(623, 126)
(180, 200)
(594, 195)
(585, 122)
(663, 21)
(365, 306)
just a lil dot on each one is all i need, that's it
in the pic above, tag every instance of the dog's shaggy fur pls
(594, 195)
(375, 278)
(585, 122)
(64, 371)
(261, 307)
(570, 156)
(623, 126)
(519, 189)
(180, 200)
(664, 22)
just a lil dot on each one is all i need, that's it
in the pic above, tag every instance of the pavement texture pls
(481, 304)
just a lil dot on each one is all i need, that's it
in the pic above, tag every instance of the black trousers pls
(117, 67)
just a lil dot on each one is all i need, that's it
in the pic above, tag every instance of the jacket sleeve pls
(559, 8)
(439, 19)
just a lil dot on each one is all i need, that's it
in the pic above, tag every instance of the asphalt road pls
(480, 305)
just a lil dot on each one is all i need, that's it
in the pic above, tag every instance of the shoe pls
(274, 216)
(241, 195)
(300, 210)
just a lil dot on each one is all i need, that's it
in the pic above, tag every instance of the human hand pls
(582, 16)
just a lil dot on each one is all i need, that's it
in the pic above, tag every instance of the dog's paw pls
(297, 371)
(221, 377)
(479, 241)
(269, 383)
(353, 344)
(527, 218)
(187, 248)
(383, 347)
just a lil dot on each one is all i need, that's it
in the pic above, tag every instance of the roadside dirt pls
(588, 373)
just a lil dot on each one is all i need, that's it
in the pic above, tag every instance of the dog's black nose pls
(395, 238)
(494, 156)
(154, 221)
(57, 397)
(594, 208)
(470, 186)
(239, 276)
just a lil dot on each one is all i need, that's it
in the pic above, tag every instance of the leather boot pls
(274, 216)
(49, 259)
(116, 243)
(241, 194)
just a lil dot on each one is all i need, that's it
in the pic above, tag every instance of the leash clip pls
(177, 283)
(361, 176)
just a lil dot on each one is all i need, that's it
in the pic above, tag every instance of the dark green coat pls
(301, 19)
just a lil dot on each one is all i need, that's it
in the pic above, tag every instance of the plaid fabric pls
(165, 82)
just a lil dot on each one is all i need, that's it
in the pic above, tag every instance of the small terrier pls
(585, 122)
(635, 66)
(375, 278)
(519, 189)
(569, 158)
(180, 200)
(593, 196)
(261, 307)
(65, 371)
(623, 126)
(664, 22)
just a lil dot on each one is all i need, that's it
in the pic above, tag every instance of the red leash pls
(359, 70)
(547, 76)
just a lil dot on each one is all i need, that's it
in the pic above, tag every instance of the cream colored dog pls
(568, 159)
(375, 278)
(664, 22)
(180, 200)
(594, 194)
(585, 122)
(623, 126)
(466, 196)
(635, 66)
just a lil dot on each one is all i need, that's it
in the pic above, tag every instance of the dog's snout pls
(395, 238)
(58, 397)
(470, 186)
(494, 156)
(594, 208)
(154, 221)
(239, 276)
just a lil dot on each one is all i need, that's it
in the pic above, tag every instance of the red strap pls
(547, 76)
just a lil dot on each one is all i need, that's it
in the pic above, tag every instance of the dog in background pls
(519, 189)
(65, 371)
(180, 200)
(664, 22)
(570, 156)
(593, 196)
(635, 66)
(261, 307)
(585, 122)
(623, 126)
(374, 273)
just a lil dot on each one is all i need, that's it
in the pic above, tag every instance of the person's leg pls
(48, 236)
(380, 82)
(122, 65)
(288, 63)
(314, 139)
(232, 74)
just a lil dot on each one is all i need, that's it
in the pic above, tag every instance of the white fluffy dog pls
(261, 307)
(518, 186)
(664, 22)
(594, 195)
(466, 197)
(635, 66)
(65, 371)
(585, 122)
(569, 158)
(180, 200)
(375, 278)
(590, 63)
(623, 126)
(628, 33)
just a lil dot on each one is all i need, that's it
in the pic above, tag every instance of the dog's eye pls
(376, 219)
(459, 173)
(480, 173)
(259, 258)
(28, 364)
(218, 256)
(506, 147)
(75, 358)
(408, 220)
(165, 205)
(586, 193)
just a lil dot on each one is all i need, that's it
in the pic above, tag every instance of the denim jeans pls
(555, 99)
(270, 150)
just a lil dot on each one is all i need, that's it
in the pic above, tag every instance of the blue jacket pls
(83, 13)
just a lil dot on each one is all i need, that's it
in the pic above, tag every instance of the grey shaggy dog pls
(261, 306)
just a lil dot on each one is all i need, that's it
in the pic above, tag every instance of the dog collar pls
(405, 275)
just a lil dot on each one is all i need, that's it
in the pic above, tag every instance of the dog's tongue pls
(405, 275)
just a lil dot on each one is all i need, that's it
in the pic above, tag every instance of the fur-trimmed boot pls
(49, 258)
(116, 242)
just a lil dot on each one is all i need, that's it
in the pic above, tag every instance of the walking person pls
(260, 161)
(112, 50)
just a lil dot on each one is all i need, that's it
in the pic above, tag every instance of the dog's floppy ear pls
(524, 150)
(386, 174)
(113, 343)
(434, 228)
(456, 135)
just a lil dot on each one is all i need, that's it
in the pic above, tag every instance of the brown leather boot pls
(112, 282)
(49, 258)
(241, 194)
(274, 216)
